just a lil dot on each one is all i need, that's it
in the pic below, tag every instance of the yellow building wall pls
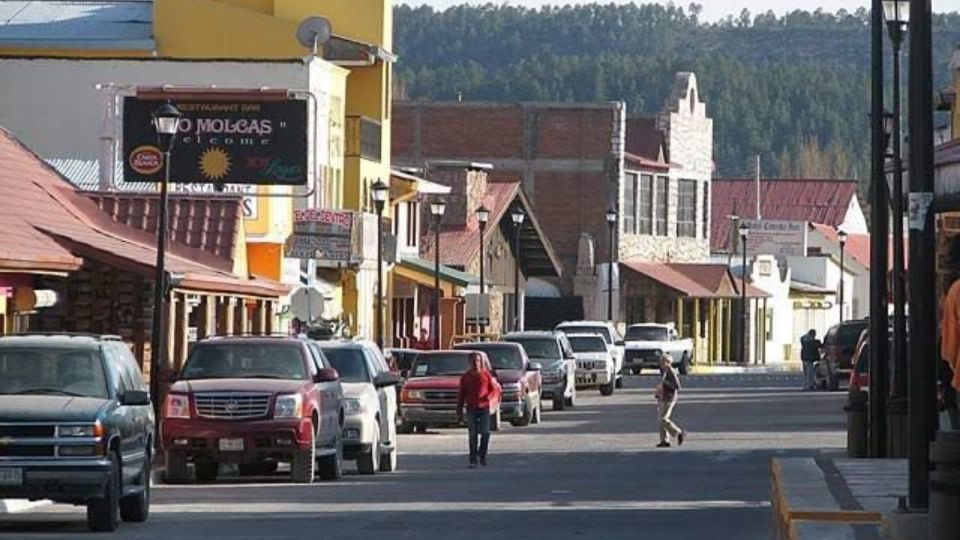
(370, 21)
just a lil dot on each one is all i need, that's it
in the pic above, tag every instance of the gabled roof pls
(88, 24)
(49, 226)
(858, 245)
(460, 243)
(815, 201)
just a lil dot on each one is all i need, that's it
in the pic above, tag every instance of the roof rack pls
(102, 337)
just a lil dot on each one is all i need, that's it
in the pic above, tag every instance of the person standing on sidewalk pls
(667, 391)
(809, 356)
(478, 389)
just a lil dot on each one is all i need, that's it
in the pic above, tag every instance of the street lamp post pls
(437, 208)
(483, 216)
(518, 216)
(611, 223)
(744, 316)
(166, 118)
(380, 193)
(842, 237)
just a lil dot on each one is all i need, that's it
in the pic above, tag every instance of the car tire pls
(619, 383)
(103, 514)
(388, 461)
(303, 468)
(495, 421)
(176, 471)
(606, 390)
(331, 467)
(405, 428)
(369, 462)
(207, 471)
(527, 417)
(637, 371)
(559, 403)
(136, 508)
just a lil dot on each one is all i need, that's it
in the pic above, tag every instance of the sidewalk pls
(729, 369)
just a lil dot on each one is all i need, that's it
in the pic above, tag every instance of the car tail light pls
(177, 406)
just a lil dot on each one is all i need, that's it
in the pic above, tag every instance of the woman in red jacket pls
(478, 388)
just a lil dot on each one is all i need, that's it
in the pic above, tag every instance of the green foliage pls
(781, 87)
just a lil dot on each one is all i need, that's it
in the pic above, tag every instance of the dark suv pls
(254, 401)
(839, 346)
(76, 425)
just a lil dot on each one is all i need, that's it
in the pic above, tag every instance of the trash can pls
(945, 486)
(858, 404)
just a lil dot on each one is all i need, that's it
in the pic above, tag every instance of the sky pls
(712, 10)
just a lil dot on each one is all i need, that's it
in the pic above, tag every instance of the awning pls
(421, 271)
(695, 280)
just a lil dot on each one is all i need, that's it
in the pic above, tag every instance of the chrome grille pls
(551, 379)
(441, 395)
(232, 405)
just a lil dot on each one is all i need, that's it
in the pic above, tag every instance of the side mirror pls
(534, 366)
(386, 379)
(135, 398)
(327, 375)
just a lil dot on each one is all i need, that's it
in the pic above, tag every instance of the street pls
(590, 472)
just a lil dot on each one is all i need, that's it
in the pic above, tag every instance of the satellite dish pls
(313, 32)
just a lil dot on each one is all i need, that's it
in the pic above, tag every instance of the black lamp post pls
(437, 207)
(166, 118)
(518, 217)
(842, 237)
(611, 223)
(483, 216)
(380, 193)
(744, 316)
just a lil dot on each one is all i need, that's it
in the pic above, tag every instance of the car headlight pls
(352, 406)
(91, 430)
(412, 394)
(288, 406)
(178, 406)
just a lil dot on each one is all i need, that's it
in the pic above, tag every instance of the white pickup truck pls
(645, 343)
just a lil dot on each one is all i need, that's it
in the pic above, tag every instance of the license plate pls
(11, 477)
(231, 445)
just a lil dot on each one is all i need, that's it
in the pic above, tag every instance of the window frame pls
(645, 205)
(687, 208)
(661, 195)
(630, 203)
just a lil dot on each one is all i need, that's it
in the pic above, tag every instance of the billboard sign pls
(774, 237)
(222, 139)
(330, 237)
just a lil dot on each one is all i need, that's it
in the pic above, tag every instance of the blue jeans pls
(478, 424)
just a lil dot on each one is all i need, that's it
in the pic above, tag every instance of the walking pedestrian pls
(667, 392)
(478, 389)
(809, 356)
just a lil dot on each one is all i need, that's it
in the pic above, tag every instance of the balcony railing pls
(363, 138)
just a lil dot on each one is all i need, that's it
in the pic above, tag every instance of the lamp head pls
(744, 231)
(483, 215)
(611, 216)
(380, 193)
(166, 118)
(437, 207)
(518, 216)
(842, 237)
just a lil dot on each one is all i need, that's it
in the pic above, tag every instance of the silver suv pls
(558, 365)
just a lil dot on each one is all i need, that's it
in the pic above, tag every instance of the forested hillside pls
(794, 89)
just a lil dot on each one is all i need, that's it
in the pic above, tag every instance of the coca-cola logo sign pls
(146, 160)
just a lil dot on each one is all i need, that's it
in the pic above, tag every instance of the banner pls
(219, 141)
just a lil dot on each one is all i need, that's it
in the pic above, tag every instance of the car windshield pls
(431, 365)
(646, 333)
(588, 344)
(539, 348)
(52, 371)
(246, 361)
(848, 334)
(602, 330)
(351, 364)
(501, 356)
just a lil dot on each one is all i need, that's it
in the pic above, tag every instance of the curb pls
(786, 368)
(15, 506)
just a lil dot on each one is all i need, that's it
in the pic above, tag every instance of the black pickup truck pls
(76, 426)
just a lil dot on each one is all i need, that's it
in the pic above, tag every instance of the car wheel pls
(388, 461)
(207, 471)
(369, 462)
(527, 417)
(176, 471)
(637, 371)
(619, 383)
(685, 364)
(495, 421)
(405, 427)
(607, 389)
(331, 467)
(303, 469)
(136, 508)
(559, 403)
(103, 514)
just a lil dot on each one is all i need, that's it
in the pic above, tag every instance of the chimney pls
(468, 186)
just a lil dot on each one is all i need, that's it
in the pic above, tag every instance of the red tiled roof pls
(858, 246)
(816, 201)
(46, 223)
(694, 280)
(459, 243)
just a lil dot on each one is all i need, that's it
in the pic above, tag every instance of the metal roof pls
(95, 24)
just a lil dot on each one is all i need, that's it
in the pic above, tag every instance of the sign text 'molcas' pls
(226, 141)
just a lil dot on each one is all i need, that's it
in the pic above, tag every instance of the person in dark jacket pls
(478, 391)
(667, 391)
(809, 355)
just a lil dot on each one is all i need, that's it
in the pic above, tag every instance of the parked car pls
(255, 401)
(612, 338)
(76, 426)
(429, 397)
(369, 402)
(860, 374)
(646, 342)
(519, 377)
(595, 365)
(403, 358)
(559, 367)
(839, 345)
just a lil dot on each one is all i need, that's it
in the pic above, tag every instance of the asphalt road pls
(591, 472)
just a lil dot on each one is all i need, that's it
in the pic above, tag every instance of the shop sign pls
(220, 140)
(778, 238)
(248, 204)
(330, 237)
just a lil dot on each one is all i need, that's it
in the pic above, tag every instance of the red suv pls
(839, 346)
(254, 401)
(519, 378)
(429, 397)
